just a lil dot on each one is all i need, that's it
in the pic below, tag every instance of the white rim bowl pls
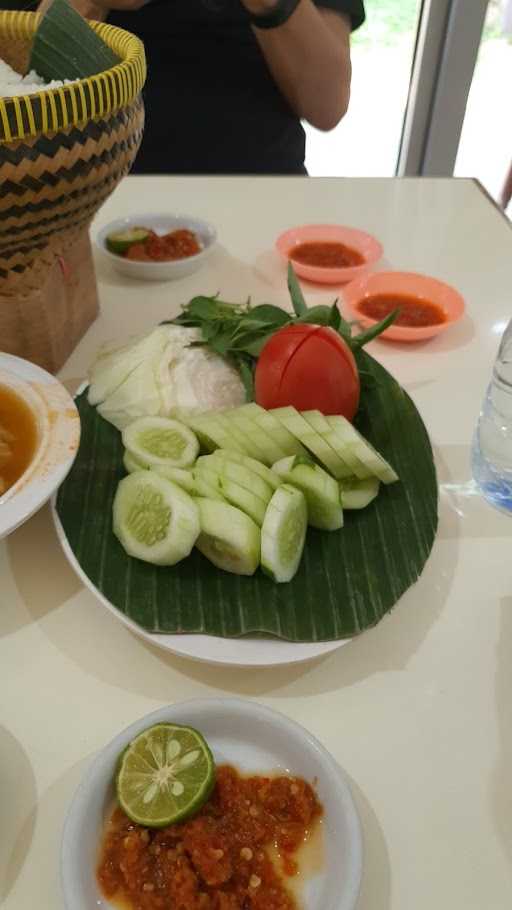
(254, 739)
(161, 224)
(58, 427)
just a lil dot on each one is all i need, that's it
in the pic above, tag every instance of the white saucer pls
(254, 739)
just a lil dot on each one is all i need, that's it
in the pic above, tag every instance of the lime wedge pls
(165, 774)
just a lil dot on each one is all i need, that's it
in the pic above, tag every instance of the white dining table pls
(418, 709)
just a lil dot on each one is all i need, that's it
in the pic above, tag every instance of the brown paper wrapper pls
(46, 310)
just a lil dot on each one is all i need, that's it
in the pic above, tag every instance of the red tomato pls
(309, 367)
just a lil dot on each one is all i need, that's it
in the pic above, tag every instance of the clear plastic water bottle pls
(492, 443)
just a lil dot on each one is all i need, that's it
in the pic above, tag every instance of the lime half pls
(165, 774)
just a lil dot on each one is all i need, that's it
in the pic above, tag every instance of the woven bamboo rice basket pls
(62, 152)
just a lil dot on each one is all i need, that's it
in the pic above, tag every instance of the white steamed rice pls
(13, 83)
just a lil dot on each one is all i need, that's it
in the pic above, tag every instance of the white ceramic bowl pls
(254, 739)
(58, 432)
(161, 224)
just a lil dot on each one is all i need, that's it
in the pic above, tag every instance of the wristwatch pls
(277, 16)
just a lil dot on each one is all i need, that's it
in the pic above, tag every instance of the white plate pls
(59, 434)
(253, 739)
(160, 224)
(211, 649)
(246, 652)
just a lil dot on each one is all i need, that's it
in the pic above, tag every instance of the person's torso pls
(211, 103)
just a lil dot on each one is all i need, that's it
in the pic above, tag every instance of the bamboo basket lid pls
(93, 98)
(63, 150)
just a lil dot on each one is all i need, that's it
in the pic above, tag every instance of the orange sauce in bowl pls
(180, 244)
(413, 312)
(18, 437)
(237, 853)
(326, 254)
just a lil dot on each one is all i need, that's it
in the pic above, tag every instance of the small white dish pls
(160, 224)
(254, 739)
(58, 432)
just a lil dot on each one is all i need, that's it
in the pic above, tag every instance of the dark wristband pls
(276, 17)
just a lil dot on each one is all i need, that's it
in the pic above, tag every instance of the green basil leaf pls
(344, 329)
(222, 342)
(335, 317)
(209, 330)
(255, 347)
(246, 325)
(364, 337)
(298, 301)
(246, 370)
(273, 315)
(202, 308)
(182, 319)
(317, 315)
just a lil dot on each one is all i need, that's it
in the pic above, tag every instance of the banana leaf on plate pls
(348, 579)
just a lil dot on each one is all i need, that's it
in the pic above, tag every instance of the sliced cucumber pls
(255, 466)
(235, 428)
(283, 467)
(154, 519)
(286, 441)
(239, 473)
(251, 409)
(295, 423)
(233, 432)
(197, 423)
(341, 437)
(204, 487)
(121, 241)
(234, 493)
(357, 494)
(159, 440)
(320, 423)
(215, 429)
(374, 464)
(241, 498)
(132, 464)
(374, 461)
(262, 445)
(320, 489)
(316, 420)
(283, 533)
(228, 538)
(184, 479)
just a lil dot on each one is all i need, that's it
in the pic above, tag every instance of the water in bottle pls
(492, 444)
